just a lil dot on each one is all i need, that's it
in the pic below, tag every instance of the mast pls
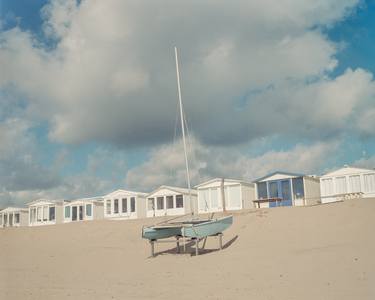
(183, 130)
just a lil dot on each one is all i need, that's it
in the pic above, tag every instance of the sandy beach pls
(318, 252)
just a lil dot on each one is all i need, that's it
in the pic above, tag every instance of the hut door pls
(74, 213)
(81, 212)
(286, 194)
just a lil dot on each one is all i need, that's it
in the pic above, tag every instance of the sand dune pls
(320, 252)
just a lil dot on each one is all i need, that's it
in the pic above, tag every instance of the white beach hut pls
(13, 217)
(171, 201)
(45, 212)
(287, 189)
(84, 209)
(123, 204)
(347, 182)
(238, 194)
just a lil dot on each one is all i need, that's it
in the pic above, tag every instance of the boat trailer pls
(184, 240)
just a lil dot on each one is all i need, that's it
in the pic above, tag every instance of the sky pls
(88, 96)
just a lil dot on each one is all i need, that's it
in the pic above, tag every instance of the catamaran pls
(193, 228)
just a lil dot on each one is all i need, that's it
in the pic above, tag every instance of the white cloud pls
(365, 162)
(25, 174)
(20, 168)
(111, 76)
(58, 15)
(366, 122)
(166, 164)
(324, 108)
(27, 181)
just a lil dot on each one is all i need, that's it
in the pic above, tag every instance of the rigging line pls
(191, 141)
(192, 155)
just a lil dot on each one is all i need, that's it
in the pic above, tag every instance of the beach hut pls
(45, 212)
(84, 209)
(347, 182)
(238, 194)
(287, 189)
(13, 217)
(123, 204)
(171, 201)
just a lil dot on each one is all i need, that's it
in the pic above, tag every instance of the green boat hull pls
(152, 233)
(191, 229)
(211, 227)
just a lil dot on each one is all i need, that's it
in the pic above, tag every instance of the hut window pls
(169, 202)
(45, 213)
(262, 190)
(179, 201)
(132, 204)
(355, 183)
(341, 185)
(11, 220)
(115, 206)
(124, 205)
(32, 215)
(273, 190)
(160, 203)
(369, 180)
(89, 210)
(214, 192)
(298, 190)
(327, 187)
(1, 220)
(150, 204)
(52, 213)
(108, 207)
(67, 212)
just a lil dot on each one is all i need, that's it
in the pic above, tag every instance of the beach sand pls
(318, 252)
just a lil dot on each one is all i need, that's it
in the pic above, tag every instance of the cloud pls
(26, 174)
(104, 73)
(166, 164)
(365, 162)
(110, 76)
(19, 168)
(325, 108)
(366, 122)
(26, 179)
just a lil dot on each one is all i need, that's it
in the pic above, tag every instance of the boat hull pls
(208, 228)
(152, 233)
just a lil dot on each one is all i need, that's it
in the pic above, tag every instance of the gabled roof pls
(174, 189)
(240, 181)
(14, 209)
(126, 192)
(280, 173)
(91, 199)
(46, 201)
(347, 170)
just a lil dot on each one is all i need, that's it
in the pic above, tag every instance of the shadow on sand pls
(190, 248)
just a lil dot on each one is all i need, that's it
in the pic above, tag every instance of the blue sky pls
(88, 97)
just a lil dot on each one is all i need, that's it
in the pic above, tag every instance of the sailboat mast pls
(183, 130)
